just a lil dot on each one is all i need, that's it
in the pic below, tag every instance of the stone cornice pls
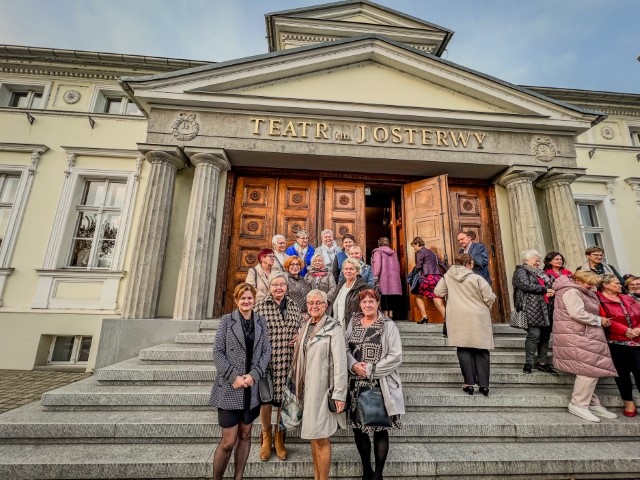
(606, 179)
(23, 148)
(170, 153)
(632, 180)
(101, 152)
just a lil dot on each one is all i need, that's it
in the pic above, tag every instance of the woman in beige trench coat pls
(321, 372)
(468, 315)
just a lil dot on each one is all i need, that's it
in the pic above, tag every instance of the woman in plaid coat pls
(241, 354)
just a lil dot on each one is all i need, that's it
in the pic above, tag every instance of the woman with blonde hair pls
(579, 342)
(297, 287)
(319, 277)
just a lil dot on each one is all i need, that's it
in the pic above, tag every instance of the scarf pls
(301, 252)
(299, 361)
(329, 253)
(319, 273)
(563, 272)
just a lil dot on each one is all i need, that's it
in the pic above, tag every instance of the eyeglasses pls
(315, 304)
(633, 286)
(294, 265)
(278, 285)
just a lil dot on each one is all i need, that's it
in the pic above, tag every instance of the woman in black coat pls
(241, 354)
(532, 293)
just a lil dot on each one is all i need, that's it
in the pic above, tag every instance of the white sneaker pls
(583, 413)
(600, 411)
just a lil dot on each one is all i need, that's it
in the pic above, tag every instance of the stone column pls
(563, 217)
(194, 279)
(145, 273)
(526, 229)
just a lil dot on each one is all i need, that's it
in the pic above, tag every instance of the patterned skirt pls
(427, 285)
(352, 405)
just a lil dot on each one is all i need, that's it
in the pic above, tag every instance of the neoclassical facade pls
(123, 234)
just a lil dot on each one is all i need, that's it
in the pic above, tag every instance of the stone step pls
(33, 424)
(89, 394)
(404, 326)
(409, 341)
(133, 371)
(604, 460)
(176, 353)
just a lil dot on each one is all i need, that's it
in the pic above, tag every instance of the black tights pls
(380, 450)
(238, 437)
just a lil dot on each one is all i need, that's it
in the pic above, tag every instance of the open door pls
(426, 215)
(344, 210)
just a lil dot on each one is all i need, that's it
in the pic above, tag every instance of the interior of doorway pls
(383, 218)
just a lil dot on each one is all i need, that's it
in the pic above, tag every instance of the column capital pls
(214, 156)
(559, 176)
(518, 174)
(164, 154)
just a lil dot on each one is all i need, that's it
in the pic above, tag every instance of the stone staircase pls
(148, 417)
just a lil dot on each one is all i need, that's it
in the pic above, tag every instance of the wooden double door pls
(433, 209)
(264, 207)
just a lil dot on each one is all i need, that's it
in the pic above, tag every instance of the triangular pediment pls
(371, 83)
(368, 76)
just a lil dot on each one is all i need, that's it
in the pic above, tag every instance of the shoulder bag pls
(413, 279)
(370, 410)
(518, 319)
(265, 387)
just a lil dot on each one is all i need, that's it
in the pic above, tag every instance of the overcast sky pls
(587, 44)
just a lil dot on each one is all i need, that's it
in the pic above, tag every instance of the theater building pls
(143, 189)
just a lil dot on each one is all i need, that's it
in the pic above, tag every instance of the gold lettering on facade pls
(480, 137)
(363, 133)
(367, 134)
(441, 138)
(258, 122)
(426, 137)
(304, 126)
(396, 134)
(274, 127)
(290, 130)
(377, 138)
(321, 131)
(458, 137)
(410, 132)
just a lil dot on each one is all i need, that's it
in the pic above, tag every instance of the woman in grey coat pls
(531, 294)
(374, 353)
(241, 354)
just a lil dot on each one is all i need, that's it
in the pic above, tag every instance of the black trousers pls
(475, 365)
(627, 361)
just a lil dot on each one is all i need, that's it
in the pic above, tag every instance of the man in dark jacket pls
(479, 253)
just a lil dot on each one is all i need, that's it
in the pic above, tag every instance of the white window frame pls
(612, 237)
(7, 88)
(54, 271)
(75, 352)
(26, 173)
(103, 94)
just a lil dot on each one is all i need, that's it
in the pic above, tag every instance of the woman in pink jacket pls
(579, 343)
(386, 271)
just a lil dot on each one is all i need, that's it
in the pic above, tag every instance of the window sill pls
(77, 289)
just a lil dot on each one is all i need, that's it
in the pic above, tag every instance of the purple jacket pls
(386, 269)
(428, 262)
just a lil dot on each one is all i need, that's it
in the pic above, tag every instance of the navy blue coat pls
(229, 358)
(480, 260)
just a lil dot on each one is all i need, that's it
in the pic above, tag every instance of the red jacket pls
(614, 311)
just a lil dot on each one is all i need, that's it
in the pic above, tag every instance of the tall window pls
(8, 188)
(592, 230)
(97, 223)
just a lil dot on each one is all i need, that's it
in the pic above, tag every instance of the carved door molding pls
(344, 210)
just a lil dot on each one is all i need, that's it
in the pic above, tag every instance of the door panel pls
(426, 215)
(344, 210)
(253, 226)
(470, 210)
(296, 208)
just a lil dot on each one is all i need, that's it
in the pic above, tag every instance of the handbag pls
(265, 387)
(370, 409)
(291, 412)
(331, 403)
(413, 279)
(518, 319)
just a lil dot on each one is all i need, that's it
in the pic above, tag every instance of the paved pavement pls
(19, 387)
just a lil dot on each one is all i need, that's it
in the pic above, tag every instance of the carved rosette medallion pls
(343, 230)
(253, 226)
(543, 149)
(297, 198)
(71, 97)
(185, 127)
(250, 258)
(344, 200)
(467, 205)
(607, 132)
(295, 227)
(255, 195)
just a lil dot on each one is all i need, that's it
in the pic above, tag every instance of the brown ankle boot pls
(281, 451)
(265, 445)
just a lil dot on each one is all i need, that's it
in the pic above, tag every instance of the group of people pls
(317, 322)
(307, 268)
(594, 325)
(326, 350)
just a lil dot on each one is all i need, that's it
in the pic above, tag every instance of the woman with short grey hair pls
(279, 244)
(531, 293)
(303, 249)
(328, 248)
(345, 300)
